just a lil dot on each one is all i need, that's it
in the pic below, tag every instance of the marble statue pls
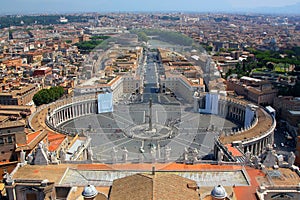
(90, 154)
(220, 156)
(22, 156)
(186, 155)
(248, 156)
(167, 153)
(30, 158)
(195, 154)
(62, 155)
(125, 154)
(291, 159)
(256, 161)
(114, 154)
(153, 154)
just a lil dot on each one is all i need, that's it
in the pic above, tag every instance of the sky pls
(61, 6)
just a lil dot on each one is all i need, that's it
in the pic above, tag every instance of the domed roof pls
(89, 191)
(219, 192)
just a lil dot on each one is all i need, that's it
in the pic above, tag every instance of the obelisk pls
(150, 114)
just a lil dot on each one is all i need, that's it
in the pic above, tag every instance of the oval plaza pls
(183, 122)
(255, 134)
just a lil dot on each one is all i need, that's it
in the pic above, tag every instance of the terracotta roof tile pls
(55, 140)
(235, 152)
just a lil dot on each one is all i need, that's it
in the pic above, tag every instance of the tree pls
(46, 96)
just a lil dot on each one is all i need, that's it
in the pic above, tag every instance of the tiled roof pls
(55, 140)
(32, 140)
(158, 186)
(249, 192)
(233, 150)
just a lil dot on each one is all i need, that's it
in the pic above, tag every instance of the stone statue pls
(195, 154)
(30, 158)
(125, 154)
(280, 160)
(90, 154)
(220, 156)
(62, 155)
(186, 155)
(53, 158)
(291, 159)
(41, 145)
(256, 161)
(270, 157)
(248, 157)
(167, 153)
(114, 154)
(153, 154)
(196, 94)
(22, 156)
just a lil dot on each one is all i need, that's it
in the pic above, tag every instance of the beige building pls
(19, 96)
(181, 77)
(11, 133)
(255, 90)
(180, 85)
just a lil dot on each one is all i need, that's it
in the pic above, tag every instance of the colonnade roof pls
(264, 124)
(38, 121)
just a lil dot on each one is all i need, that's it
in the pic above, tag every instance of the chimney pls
(153, 170)
(192, 186)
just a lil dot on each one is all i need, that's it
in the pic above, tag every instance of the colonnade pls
(236, 111)
(226, 108)
(71, 111)
(232, 110)
(257, 147)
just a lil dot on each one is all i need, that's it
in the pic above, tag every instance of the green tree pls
(46, 96)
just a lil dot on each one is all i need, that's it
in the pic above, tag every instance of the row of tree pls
(88, 46)
(46, 96)
(163, 35)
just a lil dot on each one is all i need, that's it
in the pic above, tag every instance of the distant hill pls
(291, 9)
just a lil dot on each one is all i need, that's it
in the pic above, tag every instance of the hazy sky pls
(39, 6)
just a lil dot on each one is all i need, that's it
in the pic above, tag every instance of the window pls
(9, 139)
(31, 196)
(1, 141)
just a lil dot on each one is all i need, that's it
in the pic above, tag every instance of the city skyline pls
(56, 6)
